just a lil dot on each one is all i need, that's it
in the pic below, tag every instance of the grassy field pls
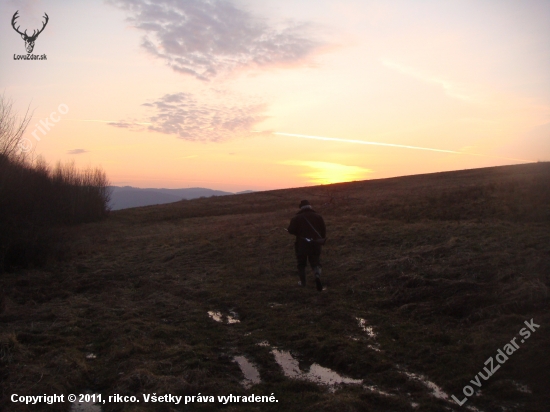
(445, 268)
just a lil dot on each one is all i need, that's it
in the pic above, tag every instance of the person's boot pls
(318, 284)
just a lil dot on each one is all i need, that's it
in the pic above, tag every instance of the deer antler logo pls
(29, 40)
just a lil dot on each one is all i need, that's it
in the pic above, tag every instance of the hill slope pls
(426, 278)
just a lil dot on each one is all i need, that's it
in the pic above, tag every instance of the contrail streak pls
(333, 139)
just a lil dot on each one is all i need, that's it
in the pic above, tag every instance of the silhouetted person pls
(309, 228)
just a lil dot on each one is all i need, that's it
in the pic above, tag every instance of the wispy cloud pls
(77, 151)
(365, 142)
(206, 38)
(450, 88)
(183, 115)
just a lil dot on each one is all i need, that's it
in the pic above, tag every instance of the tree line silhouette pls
(37, 200)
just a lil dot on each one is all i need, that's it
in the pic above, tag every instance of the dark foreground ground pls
(445, 268)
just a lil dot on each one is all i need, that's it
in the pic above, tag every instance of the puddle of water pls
(372, 347)
(249, 370)
(436, 390)
(328, 377)
(287, 363)
(317, 373)
(217, 316)
(368, 329)
(231, 319)
(378, 391)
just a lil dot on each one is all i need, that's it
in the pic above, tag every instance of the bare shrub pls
(11, 130)
(34, 198)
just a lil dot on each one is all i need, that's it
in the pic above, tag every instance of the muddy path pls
(201, 297)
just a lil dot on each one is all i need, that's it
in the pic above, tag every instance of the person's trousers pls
(308, 252)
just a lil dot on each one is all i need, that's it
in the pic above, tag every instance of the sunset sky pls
(266, 94)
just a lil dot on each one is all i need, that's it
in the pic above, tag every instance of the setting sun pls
(362, 90)
(324, 173)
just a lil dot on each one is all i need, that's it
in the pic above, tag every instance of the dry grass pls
(446, 268)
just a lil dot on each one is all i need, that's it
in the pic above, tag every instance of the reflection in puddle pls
(249, 370)
(374, 348)
(378, 391)
(231, 319)
(287, 363)
(328, 377)
(368, 329)
(370, 333)
(436, 390)
(217, 316)
(317, 373)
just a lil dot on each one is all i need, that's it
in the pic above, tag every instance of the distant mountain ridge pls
(124, 197)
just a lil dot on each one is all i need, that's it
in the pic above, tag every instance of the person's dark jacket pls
(300, 227)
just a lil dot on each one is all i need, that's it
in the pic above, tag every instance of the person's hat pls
(303, 203)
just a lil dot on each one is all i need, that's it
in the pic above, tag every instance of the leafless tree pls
(12, 128)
